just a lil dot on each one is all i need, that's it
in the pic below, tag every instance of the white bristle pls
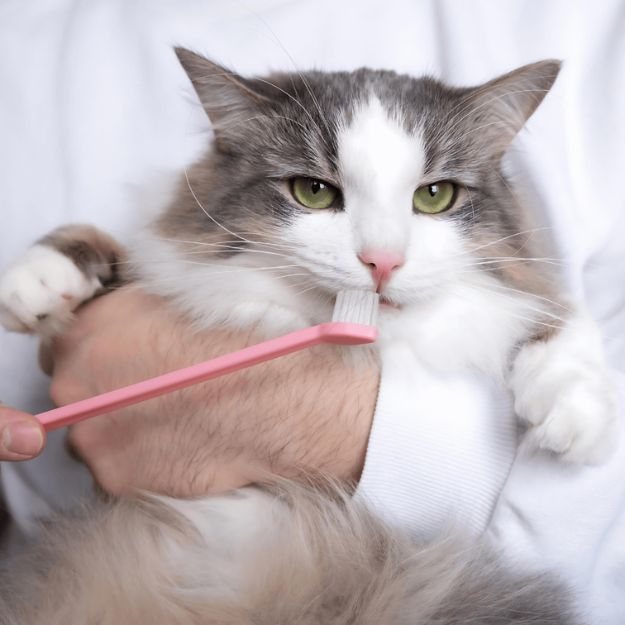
(357, 307)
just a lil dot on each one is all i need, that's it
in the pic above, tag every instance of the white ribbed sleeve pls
(440, 449)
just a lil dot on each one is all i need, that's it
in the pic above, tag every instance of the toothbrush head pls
(358, 307)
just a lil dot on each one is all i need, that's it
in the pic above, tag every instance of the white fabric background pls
(96, 116)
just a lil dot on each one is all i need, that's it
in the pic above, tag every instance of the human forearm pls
(308, 412)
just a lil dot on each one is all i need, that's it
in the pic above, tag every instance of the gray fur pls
(322, 559)
(94, 252)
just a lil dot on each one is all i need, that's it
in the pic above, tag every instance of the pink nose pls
(382, 265)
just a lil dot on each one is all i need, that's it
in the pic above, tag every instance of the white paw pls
(570, 405)
(39, 292)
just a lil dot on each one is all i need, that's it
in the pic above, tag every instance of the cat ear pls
(223, 94)
(500, 108)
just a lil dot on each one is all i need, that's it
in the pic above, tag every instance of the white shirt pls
(94, 111)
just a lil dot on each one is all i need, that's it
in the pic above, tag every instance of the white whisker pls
(510, 236)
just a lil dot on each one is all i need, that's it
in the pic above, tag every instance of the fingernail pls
(23, 438)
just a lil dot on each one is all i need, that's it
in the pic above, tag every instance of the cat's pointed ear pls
(223, 93)
(500, 107)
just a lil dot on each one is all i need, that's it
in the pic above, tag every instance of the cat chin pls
(386, 304)
(468, 325)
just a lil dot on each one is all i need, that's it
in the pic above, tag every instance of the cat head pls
(362, 180)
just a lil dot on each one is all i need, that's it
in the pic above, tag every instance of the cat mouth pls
(386, 303)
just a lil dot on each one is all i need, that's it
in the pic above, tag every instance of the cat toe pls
(40, 291)
(581, 426)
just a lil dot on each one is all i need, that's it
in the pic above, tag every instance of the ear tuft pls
(192, 62)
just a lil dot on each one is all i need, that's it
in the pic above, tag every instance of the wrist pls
(330, 420)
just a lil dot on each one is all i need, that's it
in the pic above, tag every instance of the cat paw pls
(580, 425)
(570, 408)
(39, 292)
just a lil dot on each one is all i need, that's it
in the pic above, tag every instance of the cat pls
(462, 282)
(319, 182)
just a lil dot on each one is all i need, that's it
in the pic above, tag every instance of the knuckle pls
(94, 446)
(108, 479)
(80, 441)
(57, 392)
(63, 391)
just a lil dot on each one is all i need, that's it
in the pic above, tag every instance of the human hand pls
(21, 435)
(306, 412)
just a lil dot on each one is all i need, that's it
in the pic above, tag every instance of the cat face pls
(365, 179)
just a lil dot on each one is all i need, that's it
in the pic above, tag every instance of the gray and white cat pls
(314, 183)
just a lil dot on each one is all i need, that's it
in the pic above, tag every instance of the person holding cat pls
(424, 464)
(436, 402)
(121, 449)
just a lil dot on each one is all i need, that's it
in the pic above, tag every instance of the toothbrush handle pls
(334, 332)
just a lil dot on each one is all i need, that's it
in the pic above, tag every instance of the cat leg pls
(40, 291)
(563, 391)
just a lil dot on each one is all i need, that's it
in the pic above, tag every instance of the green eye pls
(434, 198)
(313, 193)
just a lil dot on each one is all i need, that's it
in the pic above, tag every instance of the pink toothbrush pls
(353, 323)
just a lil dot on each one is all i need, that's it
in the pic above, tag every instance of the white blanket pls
(96, 116)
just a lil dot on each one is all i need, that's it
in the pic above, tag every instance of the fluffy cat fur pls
(289, 554)
(473, 289)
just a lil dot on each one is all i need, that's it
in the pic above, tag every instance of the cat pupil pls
(433, 189)
(315, 186)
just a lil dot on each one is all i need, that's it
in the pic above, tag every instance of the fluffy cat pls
(462, 282)
(318, 182)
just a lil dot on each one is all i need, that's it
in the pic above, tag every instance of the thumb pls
(21, 435)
